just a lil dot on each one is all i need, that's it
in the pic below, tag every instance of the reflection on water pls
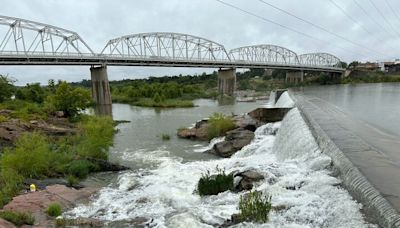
(377, 104)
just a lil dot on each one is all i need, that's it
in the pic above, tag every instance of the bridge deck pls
(163, 62)
(375, 153)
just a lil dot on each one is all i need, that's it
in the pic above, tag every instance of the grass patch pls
(168, 103)
(218, 125)
(81, 168)
(31, 157)
(24, 110)
(17, 218)
(214, 184)
(165, 137)
(3, 118)
(72, 180)
(54, 209)
(254, 207)
(96, 137)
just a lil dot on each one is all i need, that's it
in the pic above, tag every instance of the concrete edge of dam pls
(376, 207)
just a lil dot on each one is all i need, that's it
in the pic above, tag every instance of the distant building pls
(390, 67)
(368, 66)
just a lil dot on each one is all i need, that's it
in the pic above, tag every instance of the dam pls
(306, 174)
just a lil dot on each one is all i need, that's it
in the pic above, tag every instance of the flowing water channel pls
(161, 185)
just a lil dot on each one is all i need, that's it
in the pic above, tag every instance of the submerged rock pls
(234, 141)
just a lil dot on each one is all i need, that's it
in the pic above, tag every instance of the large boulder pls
(246, 122)
(246, 179)
(234, 141)
(199, 131)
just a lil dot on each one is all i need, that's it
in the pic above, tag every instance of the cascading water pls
(296, 176)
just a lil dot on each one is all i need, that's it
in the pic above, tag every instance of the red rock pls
(37, 202)
(6, 224)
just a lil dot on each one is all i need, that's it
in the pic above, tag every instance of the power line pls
(283, 26)
(384, 18)
(319, 27)
(351, 18)
(393, 11)
(372, 18)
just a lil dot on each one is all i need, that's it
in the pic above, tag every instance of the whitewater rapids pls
(297, 176)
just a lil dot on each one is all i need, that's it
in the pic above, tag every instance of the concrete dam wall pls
(347, 152)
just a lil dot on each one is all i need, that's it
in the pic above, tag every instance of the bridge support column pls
(227, 81)
(101, 90)
(294, 76)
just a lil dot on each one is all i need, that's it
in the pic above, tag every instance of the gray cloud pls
(99, 21)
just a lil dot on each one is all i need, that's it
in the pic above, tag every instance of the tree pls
(31, 92)
(70, 100)
(6, 88)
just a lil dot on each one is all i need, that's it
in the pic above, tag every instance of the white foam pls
(284, 101)
(167, 195)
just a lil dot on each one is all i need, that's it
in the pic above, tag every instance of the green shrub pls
(31, 92)
(30, 157)
(17, 218)
(72, 180)
(3, 118)
(218, 125)
(81, 168)
(214, 184)
(254, 207)
(70, 99)
(97, 137)
(6, 87)
(165, 137)
(11, 183)
(54, 209)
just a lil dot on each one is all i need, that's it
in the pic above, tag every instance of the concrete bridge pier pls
(101, 90)
(294, 76)
(227, 81)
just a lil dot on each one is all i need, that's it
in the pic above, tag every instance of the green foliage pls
(10, 182)
(31, 92)
(72, 180)
(170, 103)
(165, 137)
(254, 207)
(30, 157)
(81, 168)
(370, 77)
(214, 184)
(3, 118)
(218, 125)
(69, 99)
(54, 209)
(17, 218)
(96, 137)
(6, 88)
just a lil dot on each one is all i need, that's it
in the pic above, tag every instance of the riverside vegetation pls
(37, 155)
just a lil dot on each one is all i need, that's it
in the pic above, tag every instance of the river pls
(377, 104)
(161, 185)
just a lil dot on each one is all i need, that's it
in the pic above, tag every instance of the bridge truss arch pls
(170, 46)
(29, 38)
(265, 53)
(319, 59)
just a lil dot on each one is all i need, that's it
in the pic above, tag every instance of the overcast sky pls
(98, 21)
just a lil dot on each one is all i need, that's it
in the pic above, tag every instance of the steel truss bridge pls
(24, 42)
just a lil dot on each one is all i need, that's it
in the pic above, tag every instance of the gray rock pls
(234, 141)
(246, 122)
(248, 177)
